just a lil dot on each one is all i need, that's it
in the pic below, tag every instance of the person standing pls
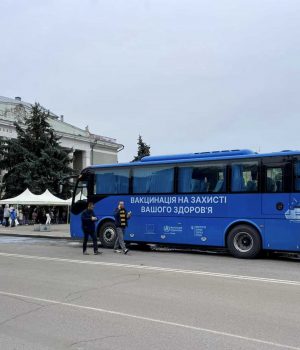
(34, 216)
(121, 221)
(1, 215)
(6, 215)
(26, 214)
(13, 217)
(48, 218)
(21, 217)
(88, 219)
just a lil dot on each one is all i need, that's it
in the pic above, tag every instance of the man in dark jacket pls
(1, 215)
(121, 218)
(88, 219)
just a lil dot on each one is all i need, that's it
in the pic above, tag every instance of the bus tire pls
(244, 242)
(108, 234)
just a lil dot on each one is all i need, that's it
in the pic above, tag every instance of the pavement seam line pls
(153, 320)
(156, 268)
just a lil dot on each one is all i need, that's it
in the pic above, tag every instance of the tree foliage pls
(35, 159)
(143, 149)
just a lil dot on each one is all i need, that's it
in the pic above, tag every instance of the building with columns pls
(88, 148)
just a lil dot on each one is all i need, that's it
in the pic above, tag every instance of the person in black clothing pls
(1, 215)
(26, 214)
(121, 221)
(88, 219)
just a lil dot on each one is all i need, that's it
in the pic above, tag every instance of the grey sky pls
(189, 75)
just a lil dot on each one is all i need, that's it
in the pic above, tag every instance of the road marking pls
(153, 320)
(156, 268)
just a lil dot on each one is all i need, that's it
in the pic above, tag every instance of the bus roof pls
(199, 156)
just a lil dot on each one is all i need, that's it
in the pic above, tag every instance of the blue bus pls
(239, 200)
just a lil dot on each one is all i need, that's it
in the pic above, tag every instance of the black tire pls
(244, 242)
(108, 234)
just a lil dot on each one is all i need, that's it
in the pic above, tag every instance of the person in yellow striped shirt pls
(121, 220)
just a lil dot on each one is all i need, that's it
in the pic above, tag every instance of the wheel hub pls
(243, 242)
(109, 235)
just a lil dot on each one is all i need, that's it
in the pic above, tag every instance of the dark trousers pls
(6, 222)
(85, 240)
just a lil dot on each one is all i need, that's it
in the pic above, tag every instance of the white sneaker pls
(117, 251)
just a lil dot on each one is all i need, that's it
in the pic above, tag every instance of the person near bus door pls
(121, 221)
(88, 219)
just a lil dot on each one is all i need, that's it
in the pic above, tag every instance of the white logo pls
(162, 236)
(293, 215)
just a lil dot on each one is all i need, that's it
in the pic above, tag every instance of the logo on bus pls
(168, 229)
(293, 213)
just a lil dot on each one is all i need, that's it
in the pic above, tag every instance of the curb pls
(33, 236)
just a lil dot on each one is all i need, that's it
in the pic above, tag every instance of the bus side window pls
(156, 179)
(274, 179)
(202, 178)
(219, 185)
(244, 177)
(185, 182)
(297, 175)
(112, 181)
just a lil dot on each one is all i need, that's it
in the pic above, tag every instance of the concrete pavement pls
(53, 297)
(57, 231)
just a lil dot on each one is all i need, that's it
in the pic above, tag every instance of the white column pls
(86, 158)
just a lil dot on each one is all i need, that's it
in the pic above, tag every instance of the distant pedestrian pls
(34, 216)
(1, 215)
(64, 217)
(6, 215)
(26, 214)
(13, 217)
(21, 217)
(121, 221)
(48, 218)
(88, 219)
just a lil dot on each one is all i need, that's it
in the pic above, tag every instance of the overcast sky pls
(188, 75)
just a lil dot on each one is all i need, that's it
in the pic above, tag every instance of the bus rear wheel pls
(108, 234)
(244, 242)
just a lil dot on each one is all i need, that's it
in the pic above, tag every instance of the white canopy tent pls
(49, 199)
(44, 199)
(28, 198)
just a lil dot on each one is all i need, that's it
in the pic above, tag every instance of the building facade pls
(87, 148)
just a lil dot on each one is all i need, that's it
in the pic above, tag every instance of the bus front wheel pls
(108, 234)
(244, 242)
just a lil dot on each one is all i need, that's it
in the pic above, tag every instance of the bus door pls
(276, 188)
(79, 204)
(295, 196)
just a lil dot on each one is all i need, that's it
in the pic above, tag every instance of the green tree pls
(143, 149)
(35, 159)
